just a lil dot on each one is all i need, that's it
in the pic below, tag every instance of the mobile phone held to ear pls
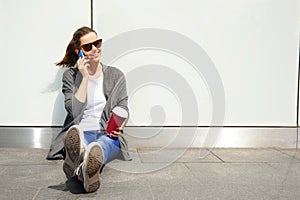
(80, 54)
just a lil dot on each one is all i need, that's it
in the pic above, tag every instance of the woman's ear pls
(76, 51)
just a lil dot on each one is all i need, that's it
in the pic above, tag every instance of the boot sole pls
(73, 151)
(93, 160)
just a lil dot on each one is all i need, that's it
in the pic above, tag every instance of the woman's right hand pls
(83, 67)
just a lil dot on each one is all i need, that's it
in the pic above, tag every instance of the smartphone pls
(80, 54)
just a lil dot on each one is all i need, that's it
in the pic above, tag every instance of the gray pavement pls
(214, 174)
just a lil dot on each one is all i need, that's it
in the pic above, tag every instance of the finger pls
(79, 62)
(120, 130)
(112, 135)
(115, 134)
(86, 62)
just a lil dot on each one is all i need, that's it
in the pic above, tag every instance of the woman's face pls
(95, 53)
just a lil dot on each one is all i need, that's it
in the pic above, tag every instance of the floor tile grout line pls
(151, 191)
(37, 192)
(292, 156)
(191, 173)
(217, 156)
(138, 155)
(291, 161)
(3, 170)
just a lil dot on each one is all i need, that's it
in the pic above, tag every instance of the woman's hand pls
(115, 134)
(82, 90)
(82, 66)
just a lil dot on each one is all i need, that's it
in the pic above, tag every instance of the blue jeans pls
(110, 146)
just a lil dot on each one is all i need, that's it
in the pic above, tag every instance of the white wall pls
(34, 35)
(253, 44)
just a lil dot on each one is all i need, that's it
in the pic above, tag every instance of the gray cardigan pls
(115, 92)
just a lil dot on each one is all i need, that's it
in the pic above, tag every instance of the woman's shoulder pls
(70, 73)
(112, 71)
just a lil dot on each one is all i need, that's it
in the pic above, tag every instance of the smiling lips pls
(94, 55)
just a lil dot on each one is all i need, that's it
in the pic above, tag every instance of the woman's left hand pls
(115, 134)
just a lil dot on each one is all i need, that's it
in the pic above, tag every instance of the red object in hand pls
(118, 116)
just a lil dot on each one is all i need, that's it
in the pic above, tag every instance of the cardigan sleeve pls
(73, 106)
(115, 91)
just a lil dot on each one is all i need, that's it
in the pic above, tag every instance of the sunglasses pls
(89, 46)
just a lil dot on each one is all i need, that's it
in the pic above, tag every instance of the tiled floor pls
(160, 174)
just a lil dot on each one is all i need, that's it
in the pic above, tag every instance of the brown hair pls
(71, 57)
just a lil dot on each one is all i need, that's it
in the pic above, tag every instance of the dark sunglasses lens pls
(97, 43)
(87, 47)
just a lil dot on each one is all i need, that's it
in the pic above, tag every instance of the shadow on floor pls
(71, 185)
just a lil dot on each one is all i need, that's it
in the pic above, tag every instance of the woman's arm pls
(73, 105)
(82, 90)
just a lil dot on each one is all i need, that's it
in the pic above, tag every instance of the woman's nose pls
(95, 49)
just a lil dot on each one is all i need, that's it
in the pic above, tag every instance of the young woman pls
(92, 91)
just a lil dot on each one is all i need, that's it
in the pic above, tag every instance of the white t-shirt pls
(95, 105)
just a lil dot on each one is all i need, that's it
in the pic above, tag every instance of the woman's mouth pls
(93, 56)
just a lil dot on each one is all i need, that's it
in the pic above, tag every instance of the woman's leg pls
(88, 171)
(90, 136)
(110, 147)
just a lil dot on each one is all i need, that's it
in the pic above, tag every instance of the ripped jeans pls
(110, 146)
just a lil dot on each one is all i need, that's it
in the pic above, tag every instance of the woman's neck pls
(95, 70)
